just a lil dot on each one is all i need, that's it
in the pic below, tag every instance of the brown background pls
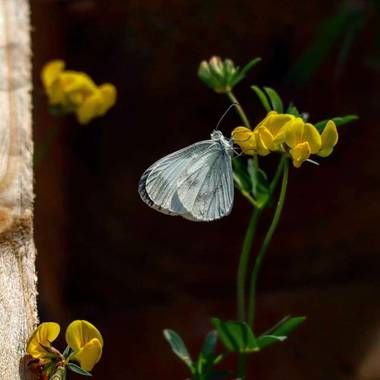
(106, 257)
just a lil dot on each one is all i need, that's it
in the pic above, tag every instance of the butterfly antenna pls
(225, 113)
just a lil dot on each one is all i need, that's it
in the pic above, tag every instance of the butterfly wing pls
(205, 187)
(158, 184)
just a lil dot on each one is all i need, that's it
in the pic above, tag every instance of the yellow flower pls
(246, 140)
(271, 132)
(40, 341)
(96, 104)
(86, 342)
(286, 133)
(74, 91)
(304, 139)
(267, 137)
(329, 139)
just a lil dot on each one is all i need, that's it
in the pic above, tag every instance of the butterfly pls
(195, 182)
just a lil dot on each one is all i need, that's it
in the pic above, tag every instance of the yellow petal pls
(72, 81)
(108, 92)
(276, 124)
(80, 332)
(89, 109)
(56, 94)
(329, 139)
(264, 141)
(300, 153)
(244, 137)
(312, 136)
(269, 115)
(294, 132)
(89, 354)
(50, 72)
(45, 333)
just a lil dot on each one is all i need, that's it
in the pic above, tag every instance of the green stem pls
(41, 151)
(59, 374)
(248, 240)
(277, 174)
(242, 373)
(265, 245)
(243, 262)
(240, 110)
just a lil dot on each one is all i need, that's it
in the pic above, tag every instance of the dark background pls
(106, 257)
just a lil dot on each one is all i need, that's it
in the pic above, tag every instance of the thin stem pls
(41, 151)
(243, 262)
(277, 174)
(265, 245)
(242, 373)
(240, 110)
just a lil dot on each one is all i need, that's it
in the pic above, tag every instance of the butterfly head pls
(227, 144)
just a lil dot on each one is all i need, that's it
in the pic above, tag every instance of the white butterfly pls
(195, 182)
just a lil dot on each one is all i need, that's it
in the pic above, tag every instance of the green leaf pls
(244, 71)
(206, 356)
(241, 175)
(293, 110)
(178, 346)
(236, 336)
(280, 331)
(260, 184)
(337, 120)
(209, 344)
(329, 31)
(274, 99)
(75, 368)
(66, 353)
(262, 97)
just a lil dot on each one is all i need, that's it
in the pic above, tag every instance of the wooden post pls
(18, 312)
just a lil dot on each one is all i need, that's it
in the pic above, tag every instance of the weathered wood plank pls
(18, 313)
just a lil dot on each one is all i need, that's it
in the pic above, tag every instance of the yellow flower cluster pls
(82, 337)
(288, 134)
(74, 91)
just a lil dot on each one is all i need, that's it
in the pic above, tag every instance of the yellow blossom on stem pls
(86, 342)
(266, 137)
(76, 92)
(271, 131)
(245, 138)
(286, 133)
(39, 343)
(303, 139)
(329, 139)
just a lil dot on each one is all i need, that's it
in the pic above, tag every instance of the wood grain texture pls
(18, 313)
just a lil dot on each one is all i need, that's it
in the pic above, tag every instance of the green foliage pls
(251, 181)
(223, 76)
(178, 346)
(293, 110)
(241, 74)
(259, 184)
(337, 120)
(241, 175)
(203, 367)
(67, 352)
(275, 99)
(280, 331)
(262, 97)
(236, 336)
(269, 99)
(344, 25)
(75, 368)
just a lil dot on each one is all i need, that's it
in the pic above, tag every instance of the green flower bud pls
(221, 75)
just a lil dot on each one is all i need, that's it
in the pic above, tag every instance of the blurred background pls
(104, 256)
